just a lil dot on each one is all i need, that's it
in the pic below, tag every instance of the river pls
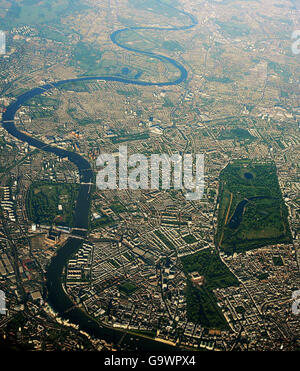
(57, 297)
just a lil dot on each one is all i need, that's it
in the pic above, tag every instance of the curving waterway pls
(237, 217)
(57, 297)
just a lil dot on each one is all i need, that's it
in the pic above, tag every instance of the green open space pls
(189, 238)
(234, 28)
(149, 40)
(117, 207)
(78, 86)
(202, 305)
(87, 57)
(102, 221)
(235, 133)
(92, 60)
(277, 260)
(43, 199)
(252, 212)
(128, 288)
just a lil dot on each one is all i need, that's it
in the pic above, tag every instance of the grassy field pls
(148, 40)
(235, 133)
(252, 212)
(201, 301)
(127, 288)
(117, 207)
(103, 221)
(189, 238)
(43, 199)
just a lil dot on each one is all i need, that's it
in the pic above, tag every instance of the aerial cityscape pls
(150, 175)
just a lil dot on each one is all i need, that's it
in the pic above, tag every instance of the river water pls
(57, 297)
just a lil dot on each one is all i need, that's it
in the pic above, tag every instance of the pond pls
(248, 176)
